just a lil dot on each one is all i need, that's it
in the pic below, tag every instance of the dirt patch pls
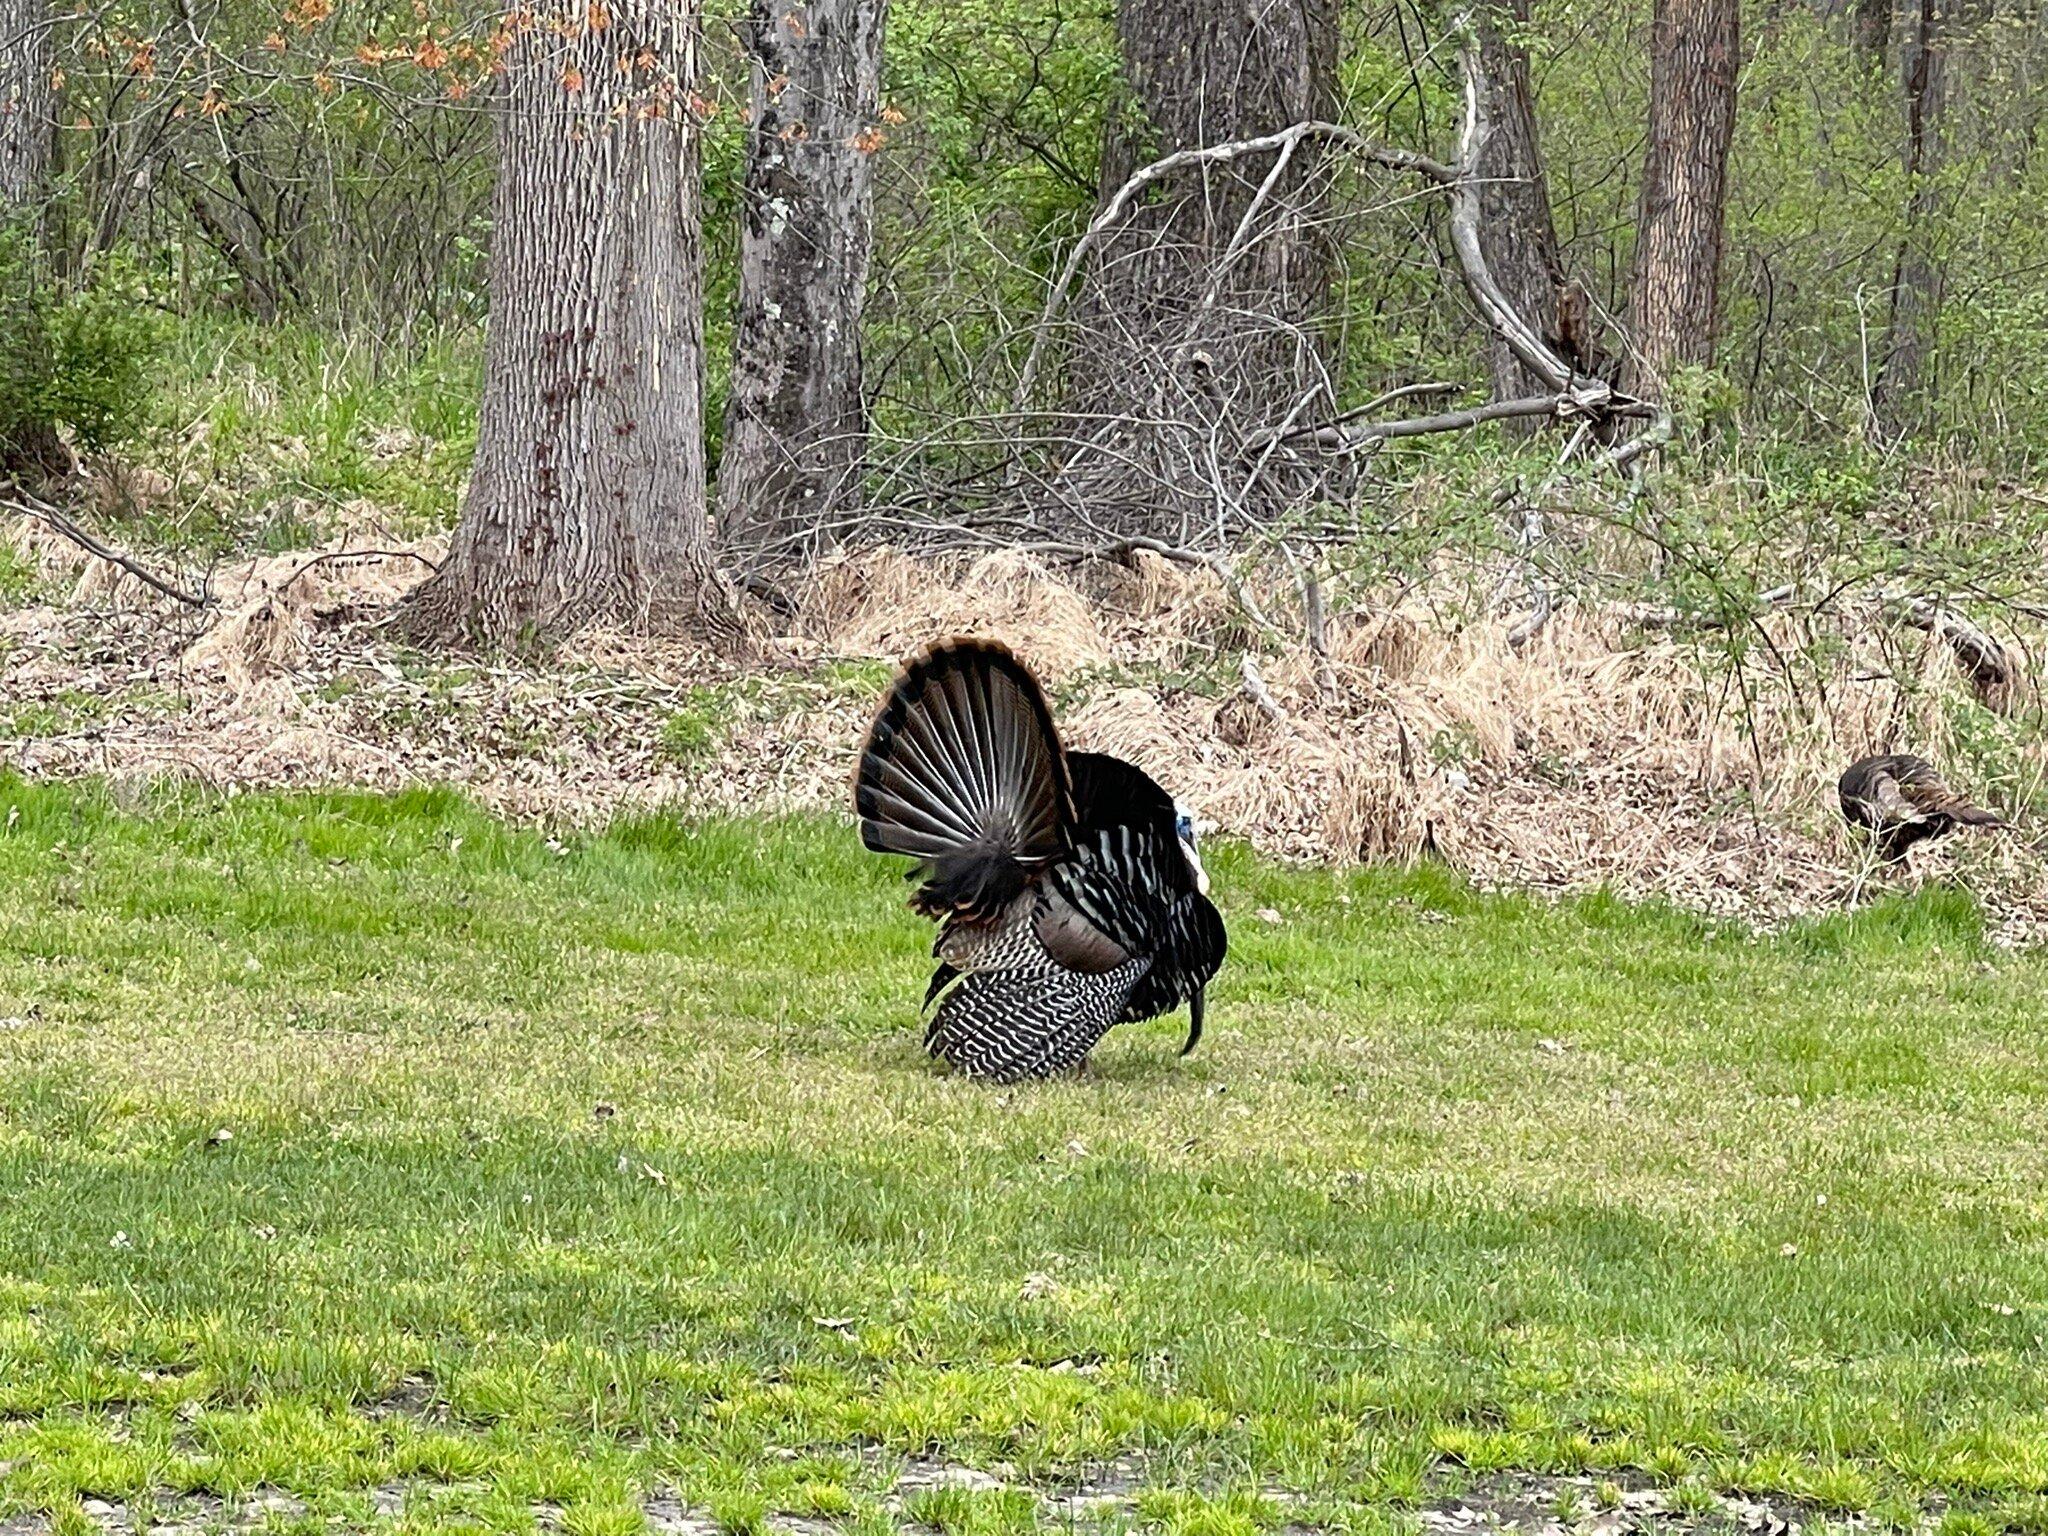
(1606, 754)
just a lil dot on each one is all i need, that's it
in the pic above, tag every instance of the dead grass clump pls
(1386, 641)
(270, 606)
(892, 604)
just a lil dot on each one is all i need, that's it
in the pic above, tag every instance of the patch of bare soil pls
(1604, 754)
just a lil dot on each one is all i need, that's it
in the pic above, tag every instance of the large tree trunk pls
(1900, 393)
(587, 498)
(1674, 299)
(1516, 233)
(24, 104)
(1204, 316)
(1207, 72)
(795, 423)
(31, 450)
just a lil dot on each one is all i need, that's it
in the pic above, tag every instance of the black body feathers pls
(1068, 901)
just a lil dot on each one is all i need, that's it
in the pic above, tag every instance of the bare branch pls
(1982, 658)
(1285, 141)
(32, 507)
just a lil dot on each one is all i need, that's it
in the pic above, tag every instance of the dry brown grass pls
(1602, 754)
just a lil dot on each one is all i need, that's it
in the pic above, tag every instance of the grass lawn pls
(351, 1143)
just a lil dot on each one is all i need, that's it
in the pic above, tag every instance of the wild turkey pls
(1066, 884)
(1901, 800)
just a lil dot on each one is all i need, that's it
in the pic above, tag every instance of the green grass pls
(273, 430)
(347, 1141)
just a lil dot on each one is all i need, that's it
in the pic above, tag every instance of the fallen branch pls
(335, 556)
(1378, 402)
(1982, 658)
(1494, 306)
(1563, 406)
(58, 522)
(1654, 436)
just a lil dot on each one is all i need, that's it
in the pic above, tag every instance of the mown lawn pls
(350, 1142)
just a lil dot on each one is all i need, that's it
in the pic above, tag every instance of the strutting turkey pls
(1901, 800)
(1067, 886)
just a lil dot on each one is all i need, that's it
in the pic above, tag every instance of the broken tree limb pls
(1983, 659)
(1378, 402)
(1494, 308)
(1256, 690)
(1592, 396)
(1563, 405)
(57, 522)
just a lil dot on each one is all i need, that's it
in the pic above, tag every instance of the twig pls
(1315, 619)
(359, 554)
(31, 507)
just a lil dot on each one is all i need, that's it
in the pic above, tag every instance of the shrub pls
(76, 360)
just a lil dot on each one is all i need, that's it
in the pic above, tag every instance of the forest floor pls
(1607, 755)
(372, 1162)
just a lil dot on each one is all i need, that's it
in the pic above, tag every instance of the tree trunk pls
(1873, 28)
(29, 450)
(1516, 233)
(587, 497)
(1674, 298)
(795, 423)
(25, 102)
(1900, 392)
(1207, 72)
(1202, 323)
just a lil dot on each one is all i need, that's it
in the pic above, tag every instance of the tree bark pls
(1202, 322)
(25, 103)
(1206, 72)
(795, 422)
(1516, 232)
(30, 451)
(1674, 298)
(587, 499)
(1900, 392)
(1873, 28)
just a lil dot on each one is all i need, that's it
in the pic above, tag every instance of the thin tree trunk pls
(795, 423)
(1900, 393)
(587, 498)
(25, 102)
(1674, 298)
(1516, 232)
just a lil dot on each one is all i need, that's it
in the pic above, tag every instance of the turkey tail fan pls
(963, 771)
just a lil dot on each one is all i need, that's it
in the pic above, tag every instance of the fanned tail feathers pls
(963, 771)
